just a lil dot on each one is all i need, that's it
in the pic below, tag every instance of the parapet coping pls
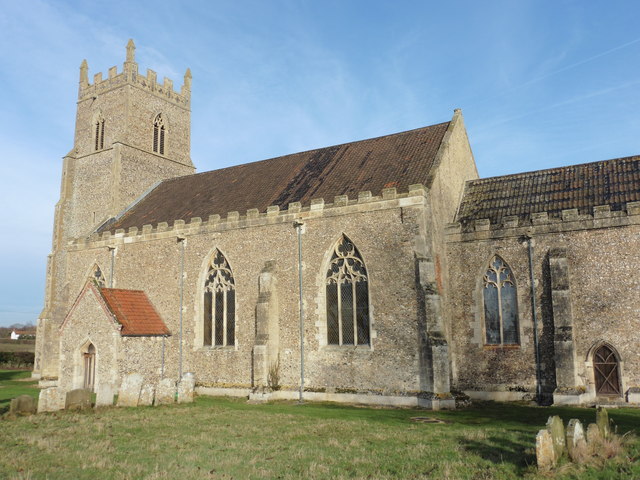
(542, 222)
(341, 205)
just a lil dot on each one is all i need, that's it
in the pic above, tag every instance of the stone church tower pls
(131, 133)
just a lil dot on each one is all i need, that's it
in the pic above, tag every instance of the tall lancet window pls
(347, 297)
(98, 130)
(219, 303)
(158, 134)
(500, 304)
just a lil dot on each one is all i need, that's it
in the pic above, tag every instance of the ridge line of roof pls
(304, 151)
(547, 170)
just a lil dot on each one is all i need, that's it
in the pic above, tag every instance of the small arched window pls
(219, 303)
(98, 130)
(98, 277)
(347, 296)
(500, 304)
(158, 134)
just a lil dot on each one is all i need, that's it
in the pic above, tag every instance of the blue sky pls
(540, 84)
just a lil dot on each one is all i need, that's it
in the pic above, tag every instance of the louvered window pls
(98, 130)
(219, 303)
(158, 135)
(500, 304)
(347, 297)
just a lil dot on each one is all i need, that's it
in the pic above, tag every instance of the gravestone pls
(146, 395)
(556, 429)
(186, 388)
(593, 434)
(78, 399)
(602, 420)
(104, 396)
(545, 451)
(50, 400)
(166, 392)
(129, 394)
(23, 405)
(575, 437)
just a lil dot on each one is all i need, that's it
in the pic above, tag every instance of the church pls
(381, 271)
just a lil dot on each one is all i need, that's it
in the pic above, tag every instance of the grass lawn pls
(14, 383)
(219, 438)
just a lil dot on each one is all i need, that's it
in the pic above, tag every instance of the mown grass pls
(217, 438)
(14, 383)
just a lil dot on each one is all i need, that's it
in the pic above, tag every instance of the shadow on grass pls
(13, 375)
(498, 450)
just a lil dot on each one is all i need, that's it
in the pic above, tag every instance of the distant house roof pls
(397, 160)
(610, 182)
(134, 312)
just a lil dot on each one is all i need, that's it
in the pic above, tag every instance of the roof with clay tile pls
(611, 182)
(135, 312)
(396, 160)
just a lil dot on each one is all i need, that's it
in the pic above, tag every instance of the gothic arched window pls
(98, 276)
(98, 130)
(219, 303)
(158, 134)
(500, 304)
(347, 289)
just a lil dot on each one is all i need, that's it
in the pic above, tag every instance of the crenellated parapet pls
(317, 208)
(130, 75)
(545, 222)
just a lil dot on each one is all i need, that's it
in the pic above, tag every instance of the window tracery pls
(219, 303)
(500, 304)
(98, 277)
(158, 134)
(347, 297)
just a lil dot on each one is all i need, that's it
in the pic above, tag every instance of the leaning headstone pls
(146, 395)
(575, 437)
(186, 388)
(23, 405)
(556, 429)
(166, 392)
(104, 395)
(50, 400)
(593, 434)
(545, 452)
(129, 394)
(78, 399)
(602, 420)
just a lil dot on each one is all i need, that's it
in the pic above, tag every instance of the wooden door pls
(606, 371)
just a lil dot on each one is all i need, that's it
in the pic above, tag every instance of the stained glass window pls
(500, 304)
(219, 303)
(347, 296)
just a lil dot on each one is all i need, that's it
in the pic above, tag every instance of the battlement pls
(129, 75)
(317, 208)
(543, 222)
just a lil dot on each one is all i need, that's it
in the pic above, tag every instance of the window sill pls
(217, 348)
(348, 348)
(502, 347)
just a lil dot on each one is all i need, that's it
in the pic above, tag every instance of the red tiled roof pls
(134, 312)
(397, 160)
(610, 182)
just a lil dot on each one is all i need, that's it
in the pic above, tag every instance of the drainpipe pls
(530, 242)
(298, 226)
(162, 368)
(182, 241)
(113, 264)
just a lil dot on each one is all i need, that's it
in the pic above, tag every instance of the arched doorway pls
(606, 370)
(89, 357)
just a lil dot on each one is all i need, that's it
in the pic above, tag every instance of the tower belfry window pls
(98, 129)
(158, 134)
